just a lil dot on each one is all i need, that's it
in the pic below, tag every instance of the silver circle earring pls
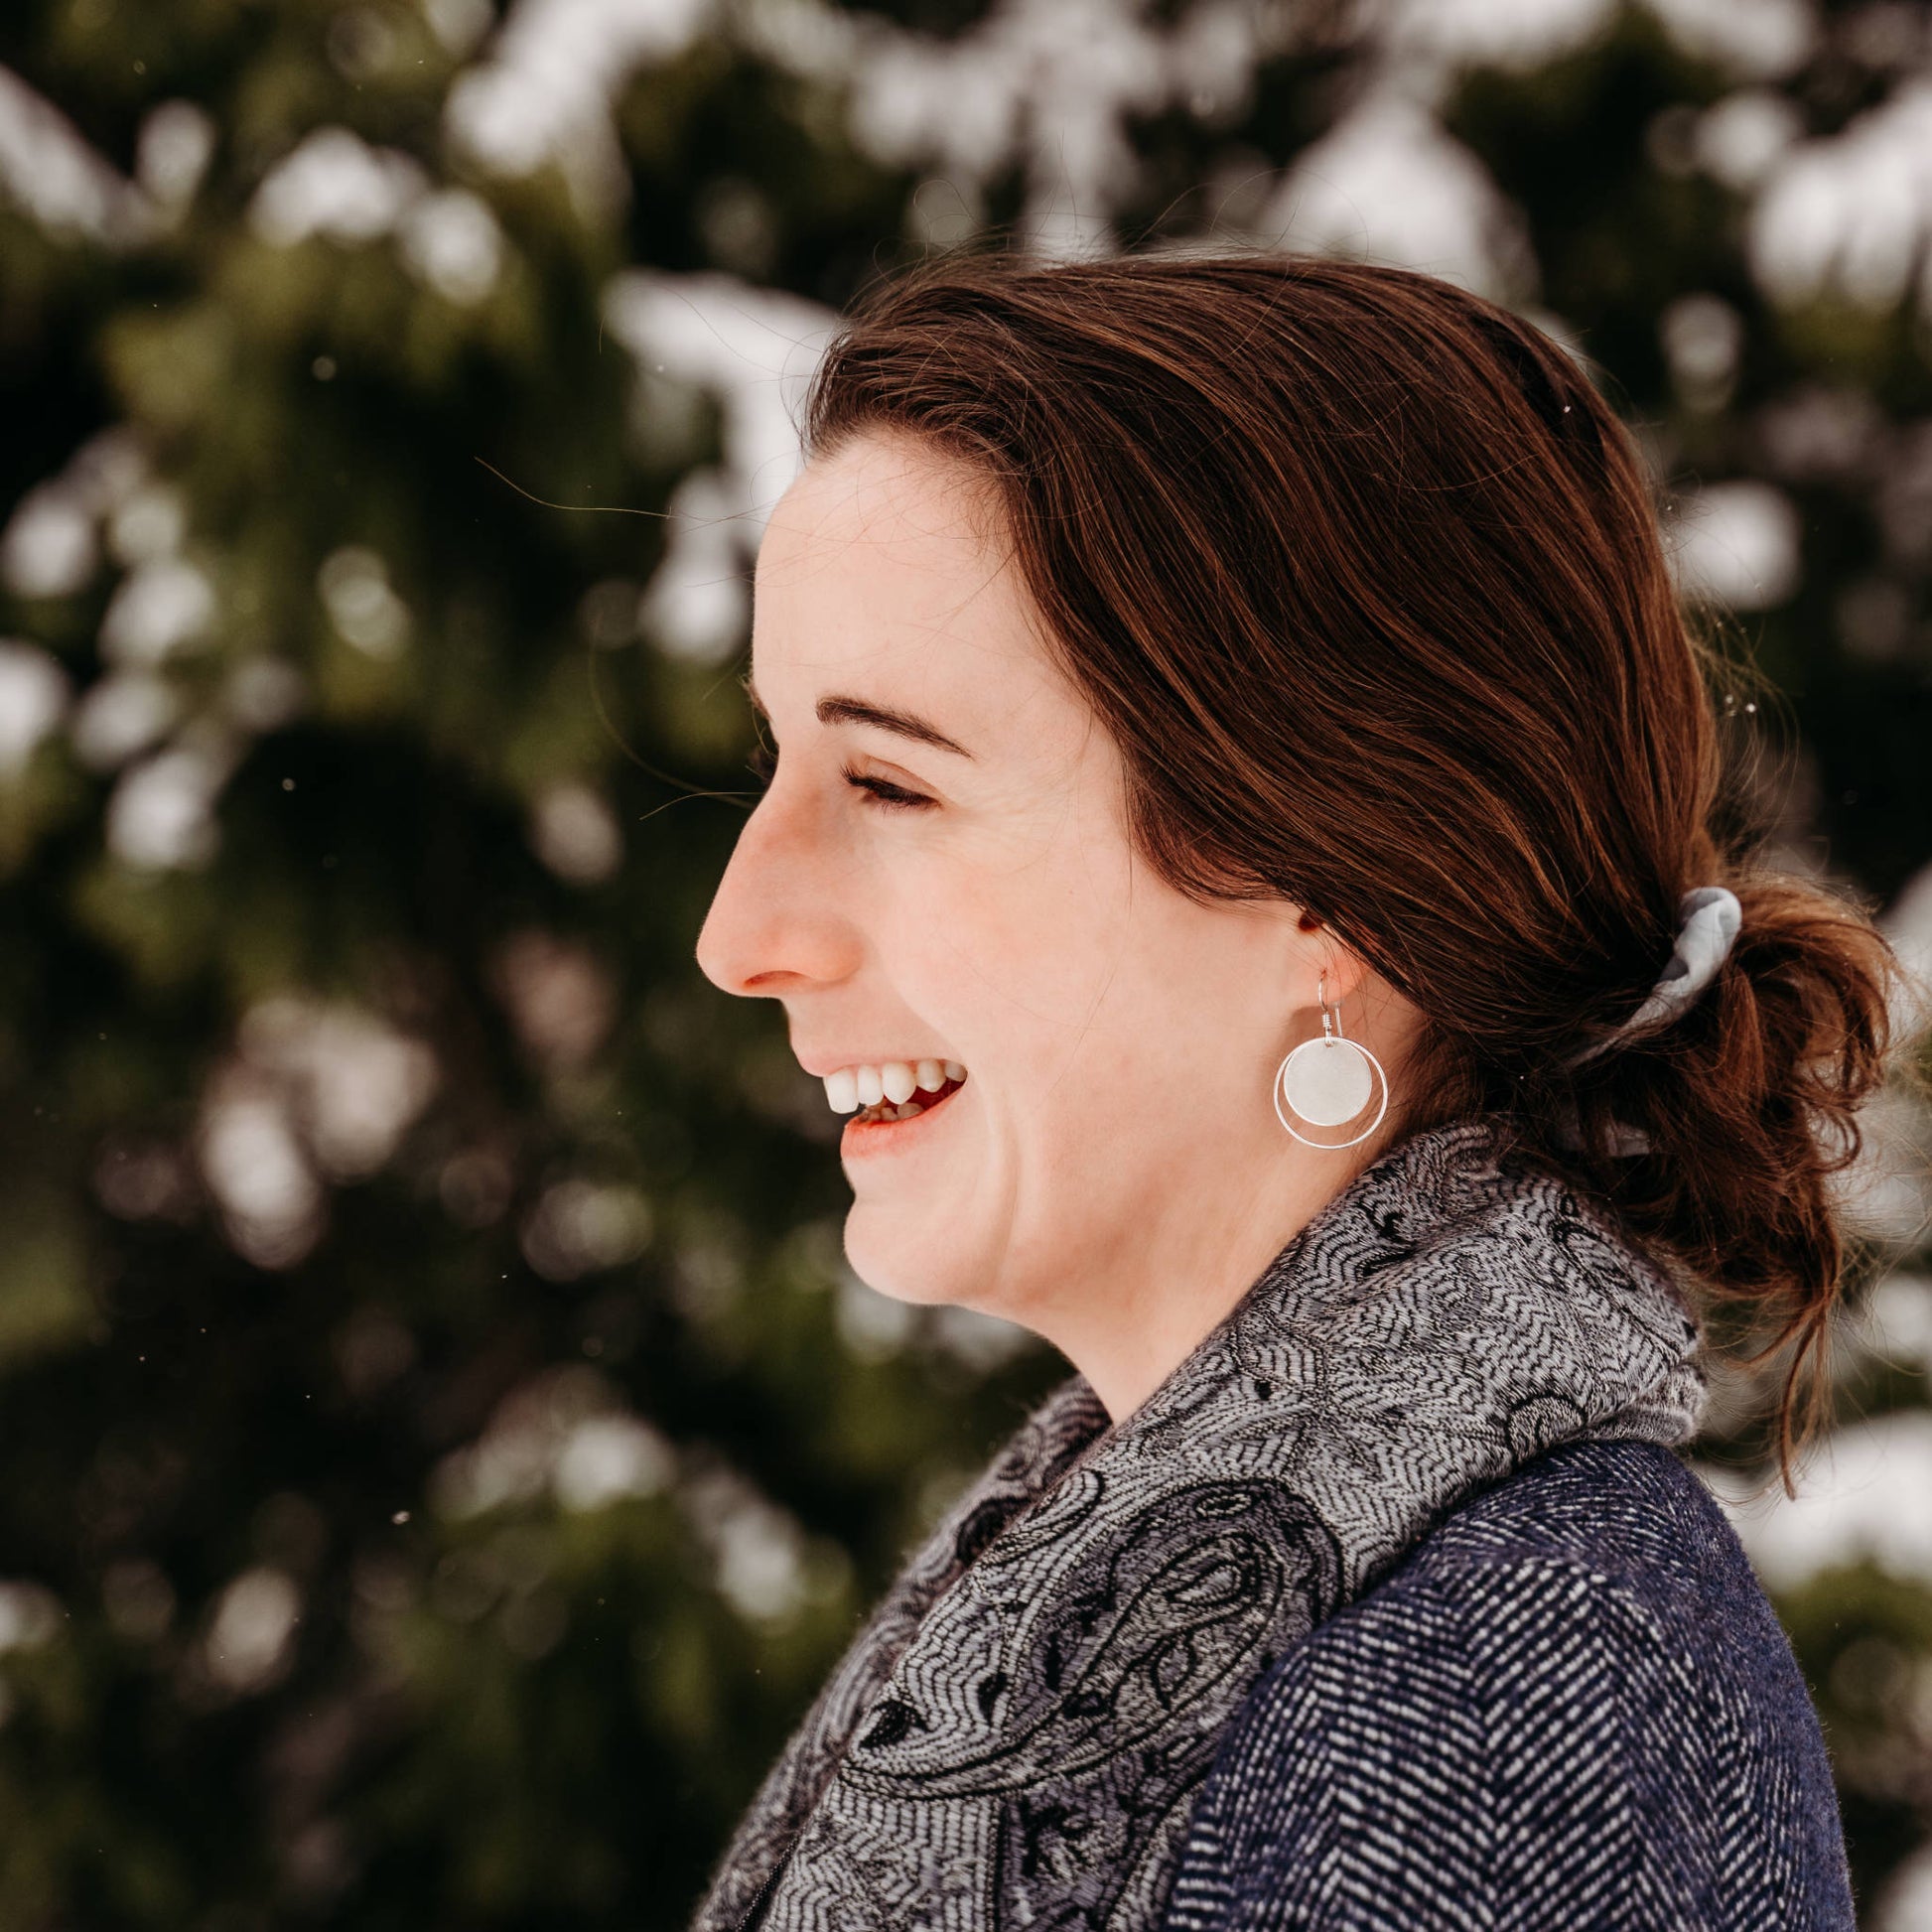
(1328, 1080)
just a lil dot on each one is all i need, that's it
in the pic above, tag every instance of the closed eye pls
(881, 792)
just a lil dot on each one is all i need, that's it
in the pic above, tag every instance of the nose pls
(773, 925)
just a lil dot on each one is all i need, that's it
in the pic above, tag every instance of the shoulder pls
(1572, 1700)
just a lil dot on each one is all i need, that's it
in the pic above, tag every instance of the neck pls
(1151, 1307)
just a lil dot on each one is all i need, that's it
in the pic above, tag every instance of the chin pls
(907, 1271)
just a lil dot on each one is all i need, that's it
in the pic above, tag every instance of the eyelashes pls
(879, 793)
(887, 798)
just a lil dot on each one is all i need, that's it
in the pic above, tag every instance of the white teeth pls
(892, 1081)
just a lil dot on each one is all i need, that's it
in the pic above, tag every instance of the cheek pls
(1015, 936)
(1030, 965)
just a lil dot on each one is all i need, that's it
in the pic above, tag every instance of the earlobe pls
(1328, 959)
(1347, 975)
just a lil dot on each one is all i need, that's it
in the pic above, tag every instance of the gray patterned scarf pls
(1016, 1736)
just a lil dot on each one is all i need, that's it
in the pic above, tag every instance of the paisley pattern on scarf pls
(1018, 1735)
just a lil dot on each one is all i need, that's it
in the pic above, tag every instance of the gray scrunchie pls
(1710, 919)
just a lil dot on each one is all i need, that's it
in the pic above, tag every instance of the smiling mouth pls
(885, 1114)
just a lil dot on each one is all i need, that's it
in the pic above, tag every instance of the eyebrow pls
(837, 709)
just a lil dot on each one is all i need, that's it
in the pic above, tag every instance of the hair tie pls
(1710, 918)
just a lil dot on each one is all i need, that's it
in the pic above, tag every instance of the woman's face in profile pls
(1114, 1132)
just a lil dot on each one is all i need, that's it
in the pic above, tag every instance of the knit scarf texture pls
(1019, 1732)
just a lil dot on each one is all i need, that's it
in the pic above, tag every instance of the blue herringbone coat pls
(1570, 1707)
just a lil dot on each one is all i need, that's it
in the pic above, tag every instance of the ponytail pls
(1718, 1138)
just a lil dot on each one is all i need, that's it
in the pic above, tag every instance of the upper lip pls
(822, 1064)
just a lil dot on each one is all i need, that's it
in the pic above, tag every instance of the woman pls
(1241, 840)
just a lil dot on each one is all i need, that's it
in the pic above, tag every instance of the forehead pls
(887, 558)
(888, 487)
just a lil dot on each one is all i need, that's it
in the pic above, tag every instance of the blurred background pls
(443, 1447)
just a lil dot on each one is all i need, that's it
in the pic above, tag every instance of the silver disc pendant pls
(1328, 1082)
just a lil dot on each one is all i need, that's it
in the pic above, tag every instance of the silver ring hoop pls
(1330, 1035)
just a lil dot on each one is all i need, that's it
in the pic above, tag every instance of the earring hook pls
(1331, 1015)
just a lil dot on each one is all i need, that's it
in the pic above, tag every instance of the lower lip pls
(881, 1135)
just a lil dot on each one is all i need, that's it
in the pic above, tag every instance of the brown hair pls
(1364, 578)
